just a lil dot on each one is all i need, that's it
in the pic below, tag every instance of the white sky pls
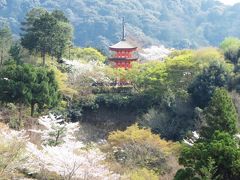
(230, 2)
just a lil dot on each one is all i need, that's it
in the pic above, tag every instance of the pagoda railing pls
(124, 58)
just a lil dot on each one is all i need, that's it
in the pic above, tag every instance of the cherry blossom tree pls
(71, 158)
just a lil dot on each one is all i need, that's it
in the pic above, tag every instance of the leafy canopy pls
(202, 88)
(85, 54)
(5, 43)
(231, 49)
(46, 33)
(217, 158)
(216, 154)
(139, 148)
(28, 85)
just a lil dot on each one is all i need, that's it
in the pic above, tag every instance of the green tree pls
(31, 16)
(86, 54)
(15, 85)
(181, 69)
(63, 34)
(60, 16)
(44, 90)
(235, 80)
(202, 88)
(216, 154)
(158, 79)
(62, 39)
(171, 122)
(18, 53)
(46, 33)
(231, 49)
(205, 56)
(25, 85)
(220, 115)
(149, 78)
(165, 85)
(216, 158)
(5, 43)
(28, 39)
(43, 31)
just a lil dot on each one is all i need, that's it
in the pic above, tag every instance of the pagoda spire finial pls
(123, 29)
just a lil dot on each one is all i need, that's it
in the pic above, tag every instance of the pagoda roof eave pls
(112, 48)
(122, 45)
(123, 59)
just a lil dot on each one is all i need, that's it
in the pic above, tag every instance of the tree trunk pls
(44, 57)
(69, 53)
(36, 56)
(32, 109)
(57, 137)
(1, 58)
(20, 113)
(59, 59)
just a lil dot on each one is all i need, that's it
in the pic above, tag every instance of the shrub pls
(137, 147)
(14, 123)
(171, 122)
(143, 174)
(11, 154)
(86, 54)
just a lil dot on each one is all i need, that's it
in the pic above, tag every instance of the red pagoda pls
(123, 53)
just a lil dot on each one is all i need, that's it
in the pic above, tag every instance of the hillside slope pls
(175, 23)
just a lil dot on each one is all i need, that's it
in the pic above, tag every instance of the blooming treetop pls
(53, 125)
(70, 159)
(155, 53)
(92, 72)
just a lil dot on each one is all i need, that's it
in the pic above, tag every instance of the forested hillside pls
(175, 23)
(70, 113)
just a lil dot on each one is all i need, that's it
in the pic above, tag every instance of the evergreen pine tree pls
(220, 115)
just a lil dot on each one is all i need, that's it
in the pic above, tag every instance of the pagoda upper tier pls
(123, 54)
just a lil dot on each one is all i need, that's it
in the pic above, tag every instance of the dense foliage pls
(5, 43)
(85, 54)
(216, 154)
(137, 147)
(26, 85)
(202, 88)
(217, 158)
(97, 22)
(230, 48)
